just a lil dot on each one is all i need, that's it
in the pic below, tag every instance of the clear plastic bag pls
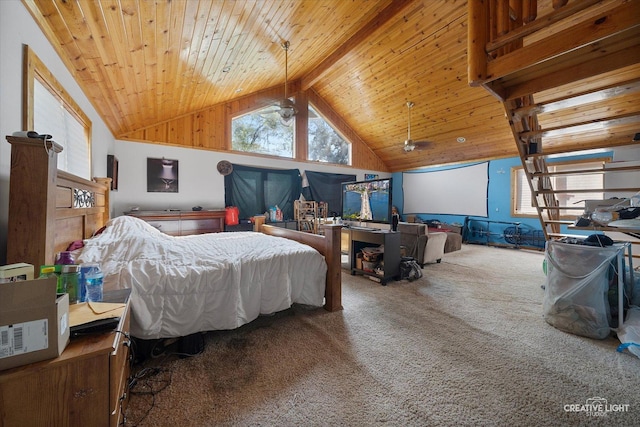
(575, 298)
(629, 332)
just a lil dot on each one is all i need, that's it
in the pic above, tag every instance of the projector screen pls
(459, 191)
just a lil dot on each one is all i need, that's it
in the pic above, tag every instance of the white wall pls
(17, 28)
(199, 183)
(624, 156)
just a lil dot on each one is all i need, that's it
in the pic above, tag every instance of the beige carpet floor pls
(466, 345)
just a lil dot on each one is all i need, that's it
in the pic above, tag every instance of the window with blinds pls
(50, 110)
(51, 117)
(521, 203)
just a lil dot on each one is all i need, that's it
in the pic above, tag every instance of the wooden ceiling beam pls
(538, 24)
(593, 33)
(395, 7)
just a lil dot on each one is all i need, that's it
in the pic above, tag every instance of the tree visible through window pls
(262, 132)
(325, 144)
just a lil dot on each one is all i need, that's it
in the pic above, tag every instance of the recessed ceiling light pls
(636, 137)
(461, 139)
(239, 90)
(226, 69)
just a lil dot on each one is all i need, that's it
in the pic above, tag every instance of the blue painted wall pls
(499, 192)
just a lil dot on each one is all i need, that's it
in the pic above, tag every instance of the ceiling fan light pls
(409, 145)
(287, 111)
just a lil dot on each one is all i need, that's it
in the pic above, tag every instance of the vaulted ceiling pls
(142, 63)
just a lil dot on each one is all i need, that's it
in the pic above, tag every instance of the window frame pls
(336, 130)
(35, 69)
(251, 153)
(518, 171)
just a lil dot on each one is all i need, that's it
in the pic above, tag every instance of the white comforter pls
(183, 285)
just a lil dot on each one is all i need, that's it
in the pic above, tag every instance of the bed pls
(188, 284)
(49, 209)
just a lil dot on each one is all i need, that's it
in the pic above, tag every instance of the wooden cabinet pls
(361, 239)
(85, 386)
(183, 223)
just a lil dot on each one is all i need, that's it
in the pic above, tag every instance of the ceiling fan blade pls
(419, 145)
(410, 145)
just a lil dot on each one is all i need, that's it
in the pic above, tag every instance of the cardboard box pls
(34, 322)
(15, 272)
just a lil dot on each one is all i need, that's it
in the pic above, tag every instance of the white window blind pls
(522, 199)
(51, 116)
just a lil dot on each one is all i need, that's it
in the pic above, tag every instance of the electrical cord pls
(148, 381)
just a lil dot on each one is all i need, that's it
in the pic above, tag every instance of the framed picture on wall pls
(162, 175)
(112, 171)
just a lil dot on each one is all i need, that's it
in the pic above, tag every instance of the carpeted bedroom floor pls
(464, 345)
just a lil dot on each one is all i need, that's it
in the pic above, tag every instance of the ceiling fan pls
(286, 108)
(410, 144)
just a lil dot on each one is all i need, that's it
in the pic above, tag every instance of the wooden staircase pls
(568, 75)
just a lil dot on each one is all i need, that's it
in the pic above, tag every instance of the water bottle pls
(82, 287)
(93, 282)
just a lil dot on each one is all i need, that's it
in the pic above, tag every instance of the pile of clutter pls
(614, 212)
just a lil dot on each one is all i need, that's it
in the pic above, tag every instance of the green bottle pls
(70, 279)
(52, 271)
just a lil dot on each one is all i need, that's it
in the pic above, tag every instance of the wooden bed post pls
(107, 202)
(259, 221)
(32, 201)
(333, 291)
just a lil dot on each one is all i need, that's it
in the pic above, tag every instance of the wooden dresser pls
(183, 223)
(87, 385)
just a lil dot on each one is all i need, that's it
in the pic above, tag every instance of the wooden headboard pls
(48, 208)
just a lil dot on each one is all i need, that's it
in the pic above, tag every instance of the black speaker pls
(395, 218)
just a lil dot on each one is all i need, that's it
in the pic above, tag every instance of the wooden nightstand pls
(85, 386)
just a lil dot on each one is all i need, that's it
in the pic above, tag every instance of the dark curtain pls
(254, 190)
(327, 187)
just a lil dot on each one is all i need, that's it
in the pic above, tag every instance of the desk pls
(391, 257)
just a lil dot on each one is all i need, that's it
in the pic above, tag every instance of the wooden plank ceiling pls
(144, 63)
